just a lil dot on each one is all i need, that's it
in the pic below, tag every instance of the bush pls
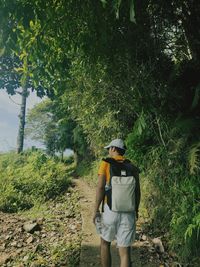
(170, 191)
(28, 178)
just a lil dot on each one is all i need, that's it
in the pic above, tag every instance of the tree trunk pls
(75, 158)
(191, 24)
(22, 115)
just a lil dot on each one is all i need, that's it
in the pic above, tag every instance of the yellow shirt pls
(104, 168)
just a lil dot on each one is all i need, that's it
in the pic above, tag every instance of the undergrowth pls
(30, 178)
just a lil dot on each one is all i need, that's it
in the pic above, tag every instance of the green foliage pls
(171, 190)
(30, 178)
(67, 254)
(51, 123)
(194, 158)
(89, 171)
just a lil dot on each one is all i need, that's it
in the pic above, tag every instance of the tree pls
(55, 129)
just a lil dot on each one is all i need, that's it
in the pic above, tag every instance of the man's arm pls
(100, 191)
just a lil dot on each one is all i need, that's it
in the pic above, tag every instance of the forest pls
(116, 69)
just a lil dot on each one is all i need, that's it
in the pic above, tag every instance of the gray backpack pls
(120, 191)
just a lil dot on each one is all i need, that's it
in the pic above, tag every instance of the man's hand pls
(96, 214)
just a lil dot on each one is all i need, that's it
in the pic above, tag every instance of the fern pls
(193, 158)
(192, 228)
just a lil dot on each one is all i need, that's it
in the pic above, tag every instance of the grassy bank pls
(30, 178)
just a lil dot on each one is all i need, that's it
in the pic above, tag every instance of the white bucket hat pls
(117, 143)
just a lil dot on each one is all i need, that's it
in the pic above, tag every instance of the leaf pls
(117, 7)
(194, 226)
(193, 157)
(2, 50)
(31, 23)
(132, 11)
(139, 125)
(19, 69)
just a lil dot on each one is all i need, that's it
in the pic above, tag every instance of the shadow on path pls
(93, 257)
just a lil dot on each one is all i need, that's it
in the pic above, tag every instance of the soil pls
(48, 238)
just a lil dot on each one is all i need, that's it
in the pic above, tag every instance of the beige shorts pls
(119, 226)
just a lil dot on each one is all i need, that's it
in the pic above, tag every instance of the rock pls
(72, 227)
(158, 244)
(30, 240)
(37, 232)
(144, 238)
(13, 244)
(25, 258)
(31, 227)
(19, 251)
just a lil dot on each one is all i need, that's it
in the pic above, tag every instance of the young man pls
(115, 225)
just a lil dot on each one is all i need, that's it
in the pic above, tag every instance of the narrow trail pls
(90, 247)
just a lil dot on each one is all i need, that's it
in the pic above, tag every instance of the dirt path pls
(144, 253)
(90, 252)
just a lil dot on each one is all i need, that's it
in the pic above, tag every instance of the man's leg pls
(105, 253)
(125, 256)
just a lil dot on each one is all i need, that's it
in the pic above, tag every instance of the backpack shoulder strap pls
(109, 160)
(126, 161)
(135, 169)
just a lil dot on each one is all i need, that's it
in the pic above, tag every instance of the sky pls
(9, 121)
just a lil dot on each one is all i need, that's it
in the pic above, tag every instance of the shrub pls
(28, 178)
(170, 187)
